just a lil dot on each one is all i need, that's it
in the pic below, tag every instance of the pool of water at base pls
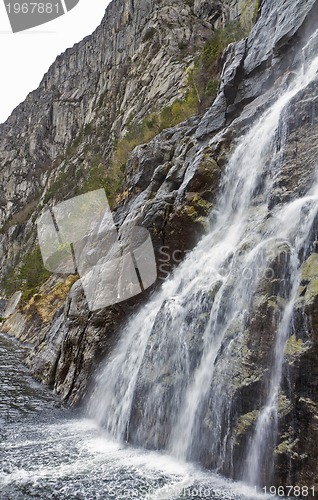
(50, 452)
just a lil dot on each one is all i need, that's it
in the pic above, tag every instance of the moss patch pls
(284, 405)
(28, 276)
(287, 447)
(202, 86)
(294, 348)
(203, 79)
(46, 304)
(21, 217)
(246, 422)
(309, 269)
(308, 291)
(100, 176)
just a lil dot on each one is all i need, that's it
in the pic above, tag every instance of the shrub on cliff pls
(28, 277)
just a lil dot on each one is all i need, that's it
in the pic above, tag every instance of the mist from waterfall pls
(170, 380)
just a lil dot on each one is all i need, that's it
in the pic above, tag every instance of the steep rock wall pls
(135, 62)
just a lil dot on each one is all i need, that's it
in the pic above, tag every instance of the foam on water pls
(48, 453)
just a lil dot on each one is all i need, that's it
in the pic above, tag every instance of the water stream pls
(49, 452)
(168, 383)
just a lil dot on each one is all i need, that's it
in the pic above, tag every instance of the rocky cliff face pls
(135, 64)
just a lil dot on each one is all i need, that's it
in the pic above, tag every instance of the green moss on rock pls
(284, 405)
(287, 448)
(295, 347)
(245, 423)
(309, 280)
(309, 269)
(190, 211)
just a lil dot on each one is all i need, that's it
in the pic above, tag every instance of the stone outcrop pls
(135, 63)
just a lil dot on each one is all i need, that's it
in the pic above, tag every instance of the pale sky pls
(26, 56)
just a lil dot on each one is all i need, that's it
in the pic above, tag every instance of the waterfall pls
(170, 381)
(266, 427)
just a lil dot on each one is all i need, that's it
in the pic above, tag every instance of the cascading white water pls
(170, 373)
(298, 218)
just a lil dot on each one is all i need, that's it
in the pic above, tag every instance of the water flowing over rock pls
(218, 363)
(183, 374)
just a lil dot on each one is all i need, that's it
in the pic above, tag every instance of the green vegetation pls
(294, 348)
(136, 135)
(22, 216)
(284, 405)
(10, 284)
(46, 304)
(203, 82)
(256, 9)
(286, 447)
(179, 111)
(99, 176)
(309, 277)
(28, 277)
(152, 125)
(245, 423)
(96, 176)
(204, 77)
(59, 186)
